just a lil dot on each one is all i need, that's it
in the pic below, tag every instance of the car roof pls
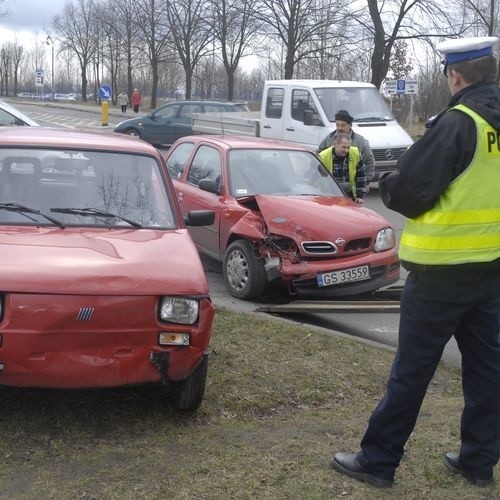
(206, 101)
(44, 137)
(321, 84)
(241, 142)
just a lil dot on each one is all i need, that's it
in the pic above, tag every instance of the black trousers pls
(435, 306)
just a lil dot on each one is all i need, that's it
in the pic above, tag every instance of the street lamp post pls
(50, 42)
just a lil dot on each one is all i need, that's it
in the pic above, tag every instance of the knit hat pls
(343, 116)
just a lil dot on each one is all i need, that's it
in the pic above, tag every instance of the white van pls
(303, 111)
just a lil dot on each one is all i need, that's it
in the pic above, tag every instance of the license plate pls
(343, 276)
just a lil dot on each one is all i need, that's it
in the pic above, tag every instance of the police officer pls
(447, 185)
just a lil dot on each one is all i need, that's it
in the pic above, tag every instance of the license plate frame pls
(341, 276)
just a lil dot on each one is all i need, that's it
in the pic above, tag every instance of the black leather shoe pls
(452, 461)
(348, 464)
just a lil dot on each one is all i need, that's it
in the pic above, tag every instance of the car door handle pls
(290, 129)
(180, 195)
(266, 126)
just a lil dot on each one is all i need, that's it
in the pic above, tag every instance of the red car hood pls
(99, 262)
(318, 218)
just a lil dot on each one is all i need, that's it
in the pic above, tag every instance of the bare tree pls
(298, 24)
(403, 20)
(235, 29)
(74, 30)
(126, 31)
(17, 52)
(152, 22)
(191, 34)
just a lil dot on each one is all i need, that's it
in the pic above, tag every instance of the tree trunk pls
(230, 83)
(290, 54)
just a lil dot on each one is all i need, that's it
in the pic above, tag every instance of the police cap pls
(466, 49)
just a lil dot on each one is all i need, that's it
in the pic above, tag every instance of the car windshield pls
(363, 103)
(278, 172)
(83, 188)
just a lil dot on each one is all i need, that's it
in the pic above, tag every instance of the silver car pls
(9, 115)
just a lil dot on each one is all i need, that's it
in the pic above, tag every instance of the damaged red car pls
(101, 283)
(279, 215)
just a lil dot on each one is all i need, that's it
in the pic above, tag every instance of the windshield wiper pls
(21, 209)
(89, 212)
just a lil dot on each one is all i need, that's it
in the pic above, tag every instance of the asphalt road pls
(380, 328)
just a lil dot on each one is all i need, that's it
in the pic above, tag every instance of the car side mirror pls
(199, 218)
(210, 185)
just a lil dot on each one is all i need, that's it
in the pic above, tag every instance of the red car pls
(279, 214)
(101, 284)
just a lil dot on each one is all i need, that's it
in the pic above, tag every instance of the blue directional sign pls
(401, 84)
(105, 92)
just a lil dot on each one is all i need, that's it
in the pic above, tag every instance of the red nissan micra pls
(280, 215)
(101, 284)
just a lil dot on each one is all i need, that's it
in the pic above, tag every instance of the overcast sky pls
(28, 17)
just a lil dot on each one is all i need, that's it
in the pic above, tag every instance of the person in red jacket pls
(136, 100)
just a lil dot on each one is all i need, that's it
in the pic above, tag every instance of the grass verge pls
(281, 399)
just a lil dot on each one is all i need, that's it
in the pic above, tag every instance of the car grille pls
(384, 155)
(319, 248)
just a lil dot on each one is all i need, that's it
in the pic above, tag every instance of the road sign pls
(401, 86)
(39, 77)
(105, 92)
(412, 86)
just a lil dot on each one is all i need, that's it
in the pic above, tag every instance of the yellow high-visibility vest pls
(464, 225)
(326, 157)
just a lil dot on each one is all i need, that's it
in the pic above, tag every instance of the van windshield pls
(363, 103)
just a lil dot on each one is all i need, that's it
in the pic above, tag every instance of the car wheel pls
(133, 132)
(244, 274)
(187, 394)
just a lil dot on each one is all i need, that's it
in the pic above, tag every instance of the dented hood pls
(99, 262)
(318, 218)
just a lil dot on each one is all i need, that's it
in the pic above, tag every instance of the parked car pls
(102, 285)
(169, 122)
(279, 214)
(10, 115)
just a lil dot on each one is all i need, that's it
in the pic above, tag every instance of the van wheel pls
(244, 273)
(187, 394)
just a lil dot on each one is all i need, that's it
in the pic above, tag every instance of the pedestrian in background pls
(447, 185)
(343, 125)
(136, 100)
(123, 100)
(346, 164)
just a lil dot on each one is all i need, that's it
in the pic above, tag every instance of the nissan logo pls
(388, 154)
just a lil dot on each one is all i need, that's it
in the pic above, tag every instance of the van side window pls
(301, 101)
(274, 103)
(206, 164)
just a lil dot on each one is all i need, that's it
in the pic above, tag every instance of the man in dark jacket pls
(343, 125)
(448, 187)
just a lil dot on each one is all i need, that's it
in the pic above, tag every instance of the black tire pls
(133, 133)
(244, 274)
(187, 394)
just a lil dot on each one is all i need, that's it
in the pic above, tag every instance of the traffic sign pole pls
(105, 94)
(104, 113)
